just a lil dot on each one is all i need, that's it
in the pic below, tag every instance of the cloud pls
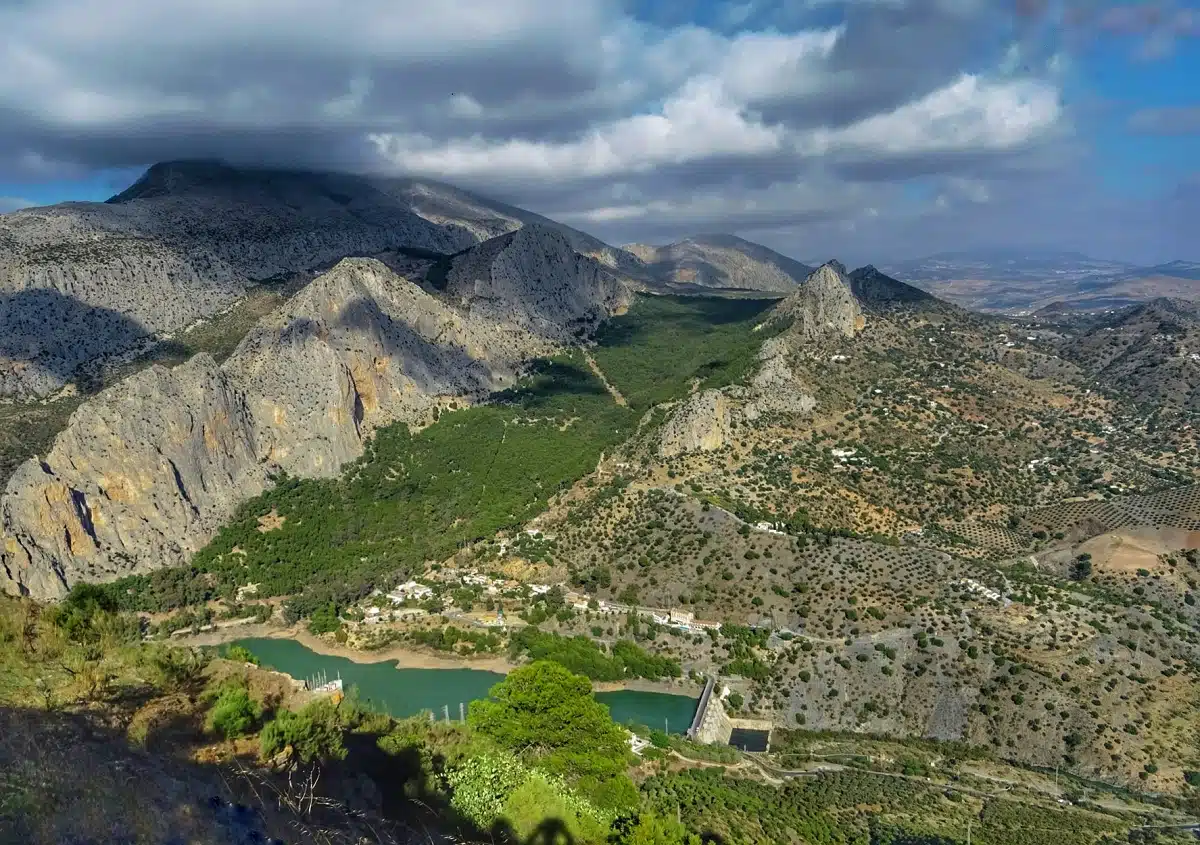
(798, 119)
(1177, 120)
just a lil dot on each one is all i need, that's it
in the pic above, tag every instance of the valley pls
(912, 540)
(872, 575)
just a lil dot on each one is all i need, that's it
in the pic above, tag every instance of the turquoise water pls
(406, 692)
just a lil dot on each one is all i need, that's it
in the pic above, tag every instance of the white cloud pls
(699, 122)
(576, 109)
(968, 115)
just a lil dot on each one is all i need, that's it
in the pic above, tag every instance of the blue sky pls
(873, 130)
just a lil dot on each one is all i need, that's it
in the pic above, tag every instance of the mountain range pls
(85, 281)
(887, 498)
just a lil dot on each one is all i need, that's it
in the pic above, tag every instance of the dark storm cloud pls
(801, 119)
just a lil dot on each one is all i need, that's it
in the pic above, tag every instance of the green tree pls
(325, 620)
(548, 715)
(649, 829)
(81, 611)
(241, 654)
(234, 712)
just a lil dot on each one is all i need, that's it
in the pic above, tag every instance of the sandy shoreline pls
(406, 658)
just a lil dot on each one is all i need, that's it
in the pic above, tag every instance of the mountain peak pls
(824, 304)
(871, 287)
(172, 177)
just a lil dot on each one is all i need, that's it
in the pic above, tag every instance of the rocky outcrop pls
(140, 478)
(824, 306)
(775, 386)
(147, 471)
(701, 423)
(720, 261)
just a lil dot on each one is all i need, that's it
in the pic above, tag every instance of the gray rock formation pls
(875, 290)
(701, 423)
(147, 471)
(141, 476)
(486, 218)
(823, 306)
(532, 278)
(720, 261)
(81, 281)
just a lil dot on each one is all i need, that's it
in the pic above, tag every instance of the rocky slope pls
(486, 218)
(720, 261)
(1149, 351)
(822, 309)
(80, 281)
(823, 305)
(533, 278)
(147, 471)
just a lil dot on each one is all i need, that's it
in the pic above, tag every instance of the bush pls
(234, 713)
(650, 829)
(240, 654)
(313, 734)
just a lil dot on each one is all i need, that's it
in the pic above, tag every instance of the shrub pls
(313, 734)
(240, 654)
(234, 713)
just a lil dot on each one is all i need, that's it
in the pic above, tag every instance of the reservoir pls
(407, 692)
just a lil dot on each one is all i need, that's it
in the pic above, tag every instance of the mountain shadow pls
(71, 778)
(46, 336)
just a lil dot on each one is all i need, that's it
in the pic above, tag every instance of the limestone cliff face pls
(701, 423)
(823, 306)
(533, 279)
(147, 471)
(140, 477)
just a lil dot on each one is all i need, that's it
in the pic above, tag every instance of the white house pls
(409, 590)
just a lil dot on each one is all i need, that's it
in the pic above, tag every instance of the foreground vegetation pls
(102, 732)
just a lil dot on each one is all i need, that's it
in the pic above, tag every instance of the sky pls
(868, 130)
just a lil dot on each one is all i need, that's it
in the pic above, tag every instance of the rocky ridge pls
(823, 305)
(720, 261)
(146, 471)
(83, 281)
(823, 308)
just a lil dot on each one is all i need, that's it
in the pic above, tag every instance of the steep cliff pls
(147, 471)
(823, 306)
(81, 281)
